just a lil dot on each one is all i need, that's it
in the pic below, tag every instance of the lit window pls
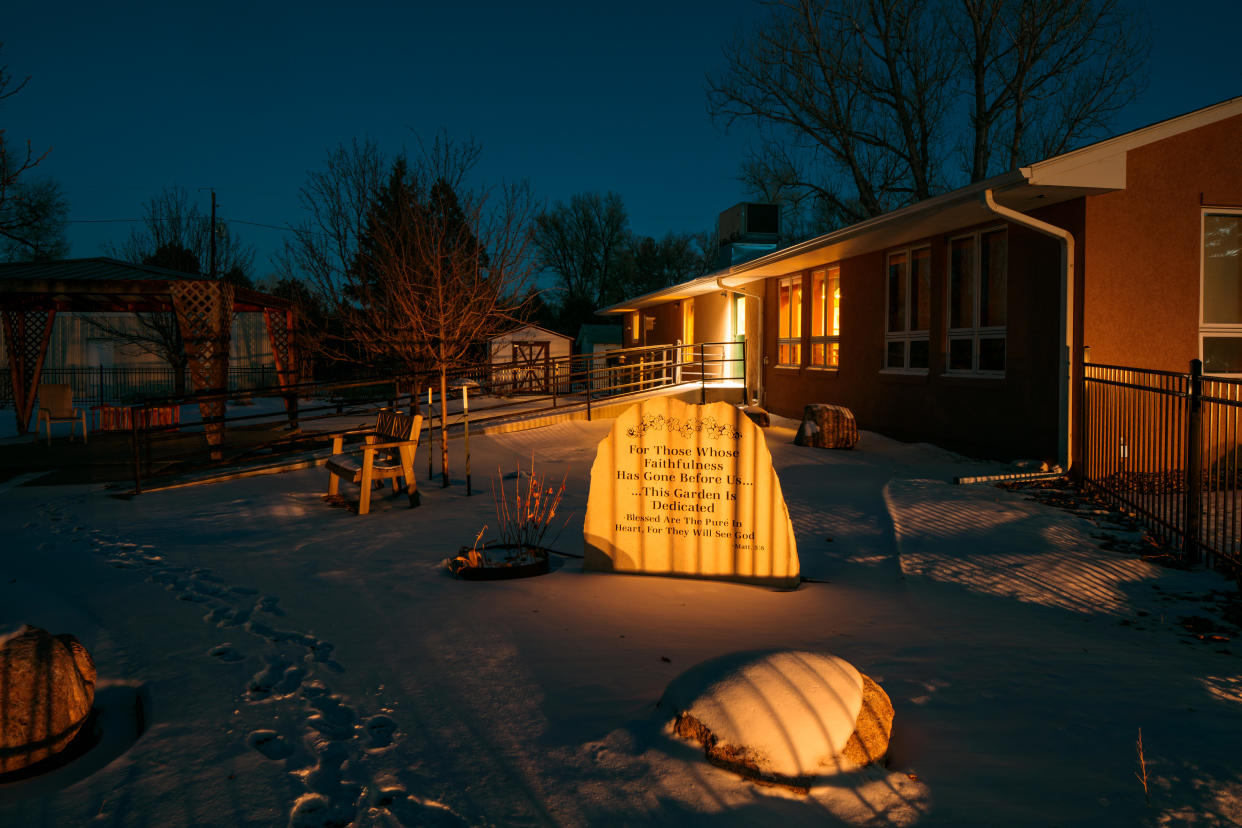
(906, 337)
(826, 317)
(978, 296)
(1220, 324)
(789, 324)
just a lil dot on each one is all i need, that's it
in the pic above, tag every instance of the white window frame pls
(910, 334)
(975, 333)
(795, 342)
(1213, 329)
(826, 339)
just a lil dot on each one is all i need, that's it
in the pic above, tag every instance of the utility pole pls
(213, 233)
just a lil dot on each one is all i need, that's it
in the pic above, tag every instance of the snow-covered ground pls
(301, 665)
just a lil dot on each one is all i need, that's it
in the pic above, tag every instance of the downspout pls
(759, 372)
(1065, 386)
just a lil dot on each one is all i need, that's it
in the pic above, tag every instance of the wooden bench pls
(387, 455)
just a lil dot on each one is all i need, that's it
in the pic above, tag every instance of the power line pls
(283, 227)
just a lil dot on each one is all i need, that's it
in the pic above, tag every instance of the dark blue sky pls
(571, 96)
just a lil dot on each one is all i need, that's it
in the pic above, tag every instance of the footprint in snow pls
(225, 652)
(412, 810)
(380, 732)
(314, 810)
(267, 679)
(268, 604)
(270, 743)
(334, 720)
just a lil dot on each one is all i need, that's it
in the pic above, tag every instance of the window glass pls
(789, 324)
(897, 292)
(795, 308)
(919, 349)
(783, 316)
(991, 355)
(818, 303)
(961, 354)
(961, 283)
(920, 290)
(834, 298)
(1222, 354)
(907, 316)
(825, 316)
(896, 355)
(978, 299)
(992, 291)
(1222, 271)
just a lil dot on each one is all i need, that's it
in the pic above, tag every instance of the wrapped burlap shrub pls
(47, 687)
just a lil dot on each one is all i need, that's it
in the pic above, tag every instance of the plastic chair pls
(56, 406)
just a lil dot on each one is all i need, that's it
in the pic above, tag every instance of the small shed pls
(524, 360)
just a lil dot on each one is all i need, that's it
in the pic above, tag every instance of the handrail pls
(580, 379)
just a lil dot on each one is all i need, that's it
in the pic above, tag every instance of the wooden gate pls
(530, 367)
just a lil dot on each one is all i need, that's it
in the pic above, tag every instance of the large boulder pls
(788, 717)
(827, 426)
(47, 687)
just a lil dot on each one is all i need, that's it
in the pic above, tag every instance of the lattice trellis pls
(26, 334)
(282, 333)
(205, 315)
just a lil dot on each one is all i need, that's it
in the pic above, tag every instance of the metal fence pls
(99, 385)
(1164, 445)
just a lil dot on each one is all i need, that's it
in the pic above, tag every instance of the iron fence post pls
(1194, 462)
(1081, 469)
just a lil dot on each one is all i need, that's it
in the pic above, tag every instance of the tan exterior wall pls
(1144, 247)
(711, 316)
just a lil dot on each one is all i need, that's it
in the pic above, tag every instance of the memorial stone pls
(689, 490)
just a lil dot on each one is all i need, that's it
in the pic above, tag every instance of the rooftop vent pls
(750, 222)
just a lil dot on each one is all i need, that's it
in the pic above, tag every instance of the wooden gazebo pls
(32, 293)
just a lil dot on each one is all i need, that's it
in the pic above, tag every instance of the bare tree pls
(862, 104)
(35, 217)
(323, 250)
(440, 266)
(336, 199)
(582, 242)
(1044, 76)
(30, 213)
(650, 264)
(176, 233)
